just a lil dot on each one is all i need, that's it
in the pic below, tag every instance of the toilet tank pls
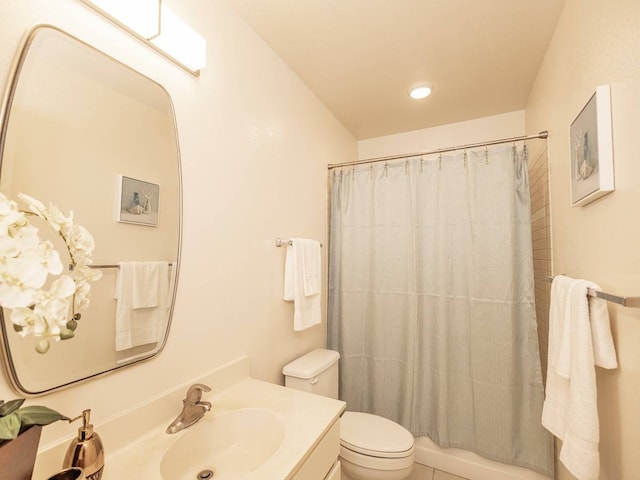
(315, 372)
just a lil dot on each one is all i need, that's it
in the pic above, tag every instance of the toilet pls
(371, 447)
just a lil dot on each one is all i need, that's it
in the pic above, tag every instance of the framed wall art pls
(139, 201)
(592, 150)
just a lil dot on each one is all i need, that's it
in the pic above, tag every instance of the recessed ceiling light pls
(420, 90)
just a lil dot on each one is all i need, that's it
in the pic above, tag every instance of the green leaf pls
(9, 426)
(37, 415)
(10, 406)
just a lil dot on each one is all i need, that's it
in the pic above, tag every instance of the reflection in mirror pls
(92, 136)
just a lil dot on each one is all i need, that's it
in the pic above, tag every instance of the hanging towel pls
(302, 281)
(149, 283)
(579, 339)
(142, 290)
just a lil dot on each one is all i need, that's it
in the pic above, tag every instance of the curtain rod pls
(543, 135)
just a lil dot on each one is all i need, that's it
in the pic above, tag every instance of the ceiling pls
(361, 56)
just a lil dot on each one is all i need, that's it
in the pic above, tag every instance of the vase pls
(18, 456)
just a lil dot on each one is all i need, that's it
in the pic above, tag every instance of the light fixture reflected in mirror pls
(158, 27)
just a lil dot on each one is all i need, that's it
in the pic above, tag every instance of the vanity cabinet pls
(308, 449)
(322, 463)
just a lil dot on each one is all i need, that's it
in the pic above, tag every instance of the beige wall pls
(598, 43)
(505, 125)
(255, 143)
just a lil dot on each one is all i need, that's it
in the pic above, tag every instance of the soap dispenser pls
(86, 450)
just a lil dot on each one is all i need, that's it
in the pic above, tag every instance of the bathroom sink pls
(230, 445)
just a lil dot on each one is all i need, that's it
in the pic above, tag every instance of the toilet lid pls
(374, 435)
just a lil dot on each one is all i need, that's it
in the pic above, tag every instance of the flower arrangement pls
(26, 261)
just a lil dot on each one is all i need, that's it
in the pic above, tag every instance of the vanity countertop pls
(306, 419)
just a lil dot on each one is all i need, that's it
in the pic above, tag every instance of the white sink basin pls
(230, 445)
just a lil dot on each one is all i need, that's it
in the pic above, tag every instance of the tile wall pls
(541, 236)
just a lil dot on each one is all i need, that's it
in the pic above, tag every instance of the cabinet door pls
(323, 457)
(334, 473)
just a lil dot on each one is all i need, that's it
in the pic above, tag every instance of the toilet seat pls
(371, 463)
(374, 436)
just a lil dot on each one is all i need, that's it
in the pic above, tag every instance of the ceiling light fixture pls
(141, 16)
(421, 90)
(181, 41)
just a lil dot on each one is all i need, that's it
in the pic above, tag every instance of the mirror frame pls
(5, 111)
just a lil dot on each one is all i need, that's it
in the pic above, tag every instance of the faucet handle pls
(194, 394)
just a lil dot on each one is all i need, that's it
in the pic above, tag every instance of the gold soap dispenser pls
(86, 450)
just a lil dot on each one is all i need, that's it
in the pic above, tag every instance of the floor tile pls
(439, 475)
(420, 472)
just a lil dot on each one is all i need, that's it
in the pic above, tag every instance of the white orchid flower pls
(63, 287)
(83, 273)
(13, 294)
(81, 296)
(58, 221)
(50, 258)
(9, 219)
(80, 240)
(36, 206)
(31, 322)
(46, 319)
(28, 269)
(26, 262)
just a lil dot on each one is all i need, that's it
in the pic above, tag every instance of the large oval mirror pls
(92, 136)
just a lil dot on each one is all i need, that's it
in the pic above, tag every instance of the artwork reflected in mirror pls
(84, 132)
(139, 201)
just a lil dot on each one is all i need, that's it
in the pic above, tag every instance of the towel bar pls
(624, 301)
(280, 242)
(108, 266)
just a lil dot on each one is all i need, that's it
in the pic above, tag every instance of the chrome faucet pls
(193, 408)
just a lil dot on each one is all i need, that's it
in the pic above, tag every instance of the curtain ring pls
(486, 155)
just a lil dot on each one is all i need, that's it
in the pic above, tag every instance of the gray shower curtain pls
(431, 300)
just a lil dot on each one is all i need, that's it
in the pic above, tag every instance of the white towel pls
(579, 338)
(149, 283)
(302, 282)
(136, 325)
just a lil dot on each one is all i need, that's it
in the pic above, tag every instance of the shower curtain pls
(431, 300)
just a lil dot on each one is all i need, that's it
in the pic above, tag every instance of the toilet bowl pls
(374, 448)
(371, 447)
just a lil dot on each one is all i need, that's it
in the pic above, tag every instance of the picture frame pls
(591, 144)
(139, 201)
